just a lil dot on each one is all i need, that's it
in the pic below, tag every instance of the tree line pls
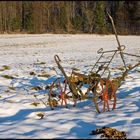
(69, 17)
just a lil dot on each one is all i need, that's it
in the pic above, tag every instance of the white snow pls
(23, 54)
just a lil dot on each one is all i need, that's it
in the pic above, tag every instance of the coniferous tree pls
(69, 16)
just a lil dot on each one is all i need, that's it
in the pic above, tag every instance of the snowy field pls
(20, 55)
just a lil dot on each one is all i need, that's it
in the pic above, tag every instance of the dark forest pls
(69, 17)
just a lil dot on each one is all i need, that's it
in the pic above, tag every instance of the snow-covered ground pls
(24, 54)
